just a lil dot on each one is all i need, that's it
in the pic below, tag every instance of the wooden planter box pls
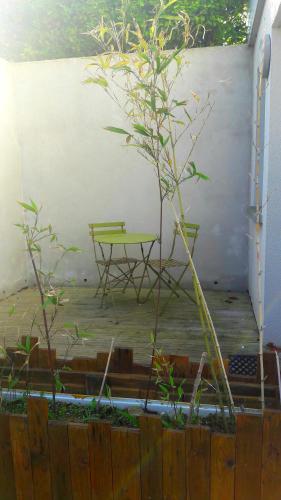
(129, 379)
(41, 459)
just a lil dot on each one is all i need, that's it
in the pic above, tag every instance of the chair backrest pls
(190, 230)
(98, 228)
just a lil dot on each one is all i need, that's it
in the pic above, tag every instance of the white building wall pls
(271, 235)
(12, 255)
(81, 173)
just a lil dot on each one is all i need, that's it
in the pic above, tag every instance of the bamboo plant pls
(138, 72)
(51, 296)
(258, 213)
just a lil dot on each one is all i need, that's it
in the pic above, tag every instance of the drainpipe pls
(254, 22)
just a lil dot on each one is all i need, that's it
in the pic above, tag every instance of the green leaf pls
(162, 94)
(168, 4)
(180, 103)
(50, 300)
(202, 176)
(146, 148)
(73, 249)
(142, 130)
(33, 204)
(84, 335)
(98, 81)
(117, 130)
(12, 310)
(27, 346)
(168, 60)
(29, 208)
(69, 325)
(124, 68)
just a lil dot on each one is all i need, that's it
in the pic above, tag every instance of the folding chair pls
(107, 278)
(162, 271)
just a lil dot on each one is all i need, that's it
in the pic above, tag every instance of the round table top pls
(125, 238)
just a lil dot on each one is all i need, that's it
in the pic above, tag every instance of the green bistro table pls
(129, 239)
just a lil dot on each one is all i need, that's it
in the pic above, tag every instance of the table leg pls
(145, 261)
(107, 275)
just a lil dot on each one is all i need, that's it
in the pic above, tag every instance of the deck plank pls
(131, 324)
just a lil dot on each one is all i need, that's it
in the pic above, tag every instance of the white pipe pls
(126, 403)
(278, 374)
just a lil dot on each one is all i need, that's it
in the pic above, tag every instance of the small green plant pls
(13, 370)
(51, 296)
(170, 390)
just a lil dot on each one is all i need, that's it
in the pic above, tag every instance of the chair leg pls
(177, 285)
(100, 282)
(152, 286)
(131, 277)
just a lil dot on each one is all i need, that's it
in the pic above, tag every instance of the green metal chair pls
(163, 270)
(125, 265)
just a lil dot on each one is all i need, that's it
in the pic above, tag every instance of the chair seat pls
(118, 261)
(166, 263)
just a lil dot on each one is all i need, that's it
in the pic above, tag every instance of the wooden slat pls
(37, 410)
(151, 457)
(7, 480)
(271, 456)
(270, 368)
(122, 361)
(59, 458)
(181, 365)
(198, 454)
(79, 461)
(100, 460)
(43, 358)
(222, 466)
(125, 445)
(174, 465)
(248, 457)
(101, 361)
(83, 364)
(21, 457)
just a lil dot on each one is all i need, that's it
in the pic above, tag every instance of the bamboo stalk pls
(209, 353)
(197, 383)
(106, 370)
(260, 318)
(207, 314)
(278, 374)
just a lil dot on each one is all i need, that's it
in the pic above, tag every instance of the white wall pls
(80, 173)
(271, 238)
(12, 256)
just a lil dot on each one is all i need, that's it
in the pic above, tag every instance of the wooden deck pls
(131, 324)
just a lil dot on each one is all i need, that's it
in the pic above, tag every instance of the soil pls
(70, 412)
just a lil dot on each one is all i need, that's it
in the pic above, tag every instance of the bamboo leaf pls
(168, 60)
(12, 310)
(140, 129)
(29, 208)
(98, 81)
(73, 249)
(168, 5)
(117, 130)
